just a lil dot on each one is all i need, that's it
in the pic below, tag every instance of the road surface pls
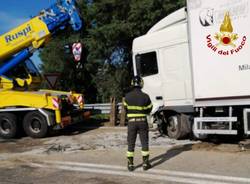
(97, 156)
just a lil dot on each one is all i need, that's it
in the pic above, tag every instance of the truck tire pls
(8, 125)
(35, 125)
(178, 126)
(174, 126)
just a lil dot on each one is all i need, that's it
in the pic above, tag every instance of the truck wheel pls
(178, 126)
(35, 125)
(8, 125)
(174, 127)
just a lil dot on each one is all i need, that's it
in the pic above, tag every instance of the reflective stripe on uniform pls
(136, 115)
(130, 154)
(144, 153)
(124, 103)
(139, 108)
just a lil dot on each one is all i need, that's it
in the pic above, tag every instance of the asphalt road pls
(98, 157)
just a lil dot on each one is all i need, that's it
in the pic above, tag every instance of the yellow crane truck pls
(22, 104)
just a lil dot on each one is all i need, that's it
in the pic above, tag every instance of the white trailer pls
(196, 68)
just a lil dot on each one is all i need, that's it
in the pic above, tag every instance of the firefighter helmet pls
(137, 81)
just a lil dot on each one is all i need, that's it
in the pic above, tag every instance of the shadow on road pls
(80, 127)
(160, 159)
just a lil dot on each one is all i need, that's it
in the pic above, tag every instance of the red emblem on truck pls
(226, 36)
(226, 39)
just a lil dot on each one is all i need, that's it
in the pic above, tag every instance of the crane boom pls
(19, 43)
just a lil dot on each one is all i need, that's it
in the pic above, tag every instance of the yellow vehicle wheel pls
(35, 125)
(8, 125)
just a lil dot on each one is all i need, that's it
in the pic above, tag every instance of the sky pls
(16, 12)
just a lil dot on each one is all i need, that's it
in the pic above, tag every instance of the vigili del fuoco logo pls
(227, 42)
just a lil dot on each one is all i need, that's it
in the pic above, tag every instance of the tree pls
(56, 60)
(115, 24)
(110, 27)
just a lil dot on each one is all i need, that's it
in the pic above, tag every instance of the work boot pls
(130, 163)
(146, 165)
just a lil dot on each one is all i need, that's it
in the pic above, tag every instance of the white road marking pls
(133, 174)
(158, 171)
(155, 174)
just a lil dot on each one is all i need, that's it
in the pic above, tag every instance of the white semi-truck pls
(196, 68)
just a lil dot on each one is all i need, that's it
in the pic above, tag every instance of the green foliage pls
(109, 30)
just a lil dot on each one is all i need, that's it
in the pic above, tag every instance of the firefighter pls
(138, 105)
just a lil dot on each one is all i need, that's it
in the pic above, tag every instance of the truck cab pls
(161, 57)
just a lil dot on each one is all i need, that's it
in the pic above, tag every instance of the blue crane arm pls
(61, 14)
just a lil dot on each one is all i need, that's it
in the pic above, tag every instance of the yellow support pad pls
(58, 117)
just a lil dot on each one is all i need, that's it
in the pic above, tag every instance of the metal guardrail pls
(116, 111)
(103, 108)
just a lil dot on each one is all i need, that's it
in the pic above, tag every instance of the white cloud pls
(8, 21)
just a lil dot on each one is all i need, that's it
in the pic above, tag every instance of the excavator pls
(23, 105)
